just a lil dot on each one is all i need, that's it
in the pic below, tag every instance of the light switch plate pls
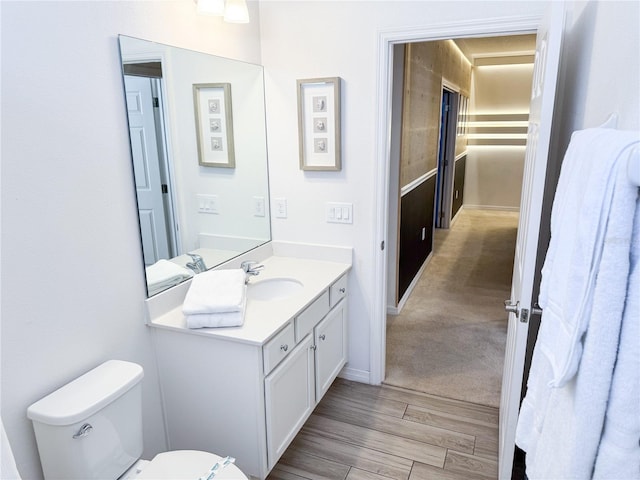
(339, 212)
(208, 203)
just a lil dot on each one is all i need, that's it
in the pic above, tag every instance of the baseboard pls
(356, 375)
(391, 310)
(455, 217)
(491, 207)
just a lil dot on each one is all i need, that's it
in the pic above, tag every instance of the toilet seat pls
(187, 465)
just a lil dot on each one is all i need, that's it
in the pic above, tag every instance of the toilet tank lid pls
(84, 396)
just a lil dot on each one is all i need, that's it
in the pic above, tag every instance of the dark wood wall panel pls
(458, 185)
(417, 213)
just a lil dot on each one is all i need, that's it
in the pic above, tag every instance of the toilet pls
(91, 428)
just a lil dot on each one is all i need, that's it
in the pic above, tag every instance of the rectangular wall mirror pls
(193, 216)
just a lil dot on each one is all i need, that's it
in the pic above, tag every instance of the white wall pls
(72, 277)
(599, 75)
(601, 66)
(235, 217)
(493, 176)
(323, 39)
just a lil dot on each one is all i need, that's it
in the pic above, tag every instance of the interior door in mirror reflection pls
(214, 124)
(148, 164)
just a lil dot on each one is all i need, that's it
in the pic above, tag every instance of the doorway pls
(448, 335)
(548, 28)
(446, 153)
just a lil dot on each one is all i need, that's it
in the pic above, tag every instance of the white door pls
(545, 74)
(146, 166)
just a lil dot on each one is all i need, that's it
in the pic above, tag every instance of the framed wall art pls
(319, 123)
(214, 125)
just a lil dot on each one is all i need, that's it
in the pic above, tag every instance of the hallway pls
(449, 339)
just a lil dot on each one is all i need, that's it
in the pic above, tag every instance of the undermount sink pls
(273, 289)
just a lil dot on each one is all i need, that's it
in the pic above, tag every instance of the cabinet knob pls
(342, 290)
(322, 337)
(284, 347)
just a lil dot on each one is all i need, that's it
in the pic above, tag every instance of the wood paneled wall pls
(417, 214)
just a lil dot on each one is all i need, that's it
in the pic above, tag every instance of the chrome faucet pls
(198, 265)
(251, 268)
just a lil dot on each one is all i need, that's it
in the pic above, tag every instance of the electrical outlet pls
(280, 207)
(258, 206)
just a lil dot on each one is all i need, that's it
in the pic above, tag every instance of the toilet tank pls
(91, 428)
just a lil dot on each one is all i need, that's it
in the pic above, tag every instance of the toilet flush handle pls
(84, 431)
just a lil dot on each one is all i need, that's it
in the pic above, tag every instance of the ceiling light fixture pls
(236, 11)
(233, 11)
(211, 7)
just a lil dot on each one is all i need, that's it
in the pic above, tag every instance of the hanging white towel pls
(619, 451)
(216, 291)
(581, 208)
(583, 295)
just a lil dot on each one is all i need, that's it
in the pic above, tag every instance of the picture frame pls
(214, 124)
(319, 133)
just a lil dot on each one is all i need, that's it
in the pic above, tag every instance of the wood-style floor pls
(365, 432)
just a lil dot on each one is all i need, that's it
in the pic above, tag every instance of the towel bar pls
(633, 167)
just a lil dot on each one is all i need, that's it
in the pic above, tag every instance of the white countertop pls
(264, 318)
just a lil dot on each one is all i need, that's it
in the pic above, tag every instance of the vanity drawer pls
(278, 347)
(312, 315)
(338, 291)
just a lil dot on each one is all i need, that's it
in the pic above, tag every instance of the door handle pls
(511, 307)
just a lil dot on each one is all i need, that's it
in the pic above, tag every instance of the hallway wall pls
(499, 111)
(427, 66)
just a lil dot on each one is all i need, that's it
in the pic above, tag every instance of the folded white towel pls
(216, 291)
(216, 320)
(164, 274)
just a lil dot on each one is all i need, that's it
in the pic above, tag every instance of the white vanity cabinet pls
(224, 394)
(294, 388)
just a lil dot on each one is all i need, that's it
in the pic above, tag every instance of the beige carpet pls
(450, 338)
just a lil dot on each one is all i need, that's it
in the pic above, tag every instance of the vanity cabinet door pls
(331, 348)
(289, 399)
